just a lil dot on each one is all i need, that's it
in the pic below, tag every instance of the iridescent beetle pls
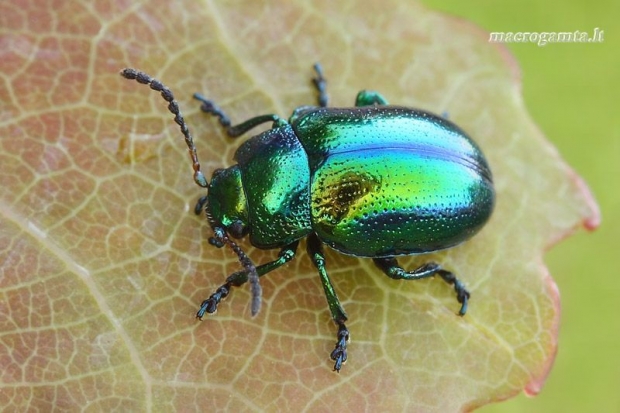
(374, 180)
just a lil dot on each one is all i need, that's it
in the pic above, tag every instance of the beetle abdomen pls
(405, 183)
(383, 203)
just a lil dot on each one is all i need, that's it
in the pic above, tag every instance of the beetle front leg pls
(391, 268)
(315, 251)
(233, 131)
(209, 306)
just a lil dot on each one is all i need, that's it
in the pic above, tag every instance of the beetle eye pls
(236, 229)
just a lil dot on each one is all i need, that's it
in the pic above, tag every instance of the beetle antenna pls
(219, 240)
(173, 107)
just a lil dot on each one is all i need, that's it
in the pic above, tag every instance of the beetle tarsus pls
(208, 106)
(320, 84)
(233, 131)
(339, 355)
(462, 295)
(209, 306)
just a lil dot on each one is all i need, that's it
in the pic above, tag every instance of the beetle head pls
(227, 212)
(227, 206)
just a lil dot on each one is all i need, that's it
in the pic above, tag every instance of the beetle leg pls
(370, 98)
(233, 131)
(241, 277)
(315, 251)
(320, 84)
(391, 268)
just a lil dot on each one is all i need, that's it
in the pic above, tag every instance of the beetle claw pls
(339, 355)
(462, 295)
(463, 298)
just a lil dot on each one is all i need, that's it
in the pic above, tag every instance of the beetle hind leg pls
(370, 98)
(339, 354)
(391, 268)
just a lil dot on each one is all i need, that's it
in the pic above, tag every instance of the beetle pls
(373, 180)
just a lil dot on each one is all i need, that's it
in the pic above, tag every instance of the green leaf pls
(103, 264)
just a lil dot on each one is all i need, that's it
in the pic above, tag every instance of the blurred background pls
(571, 91)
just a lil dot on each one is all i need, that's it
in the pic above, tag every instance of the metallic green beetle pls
(373, 181)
